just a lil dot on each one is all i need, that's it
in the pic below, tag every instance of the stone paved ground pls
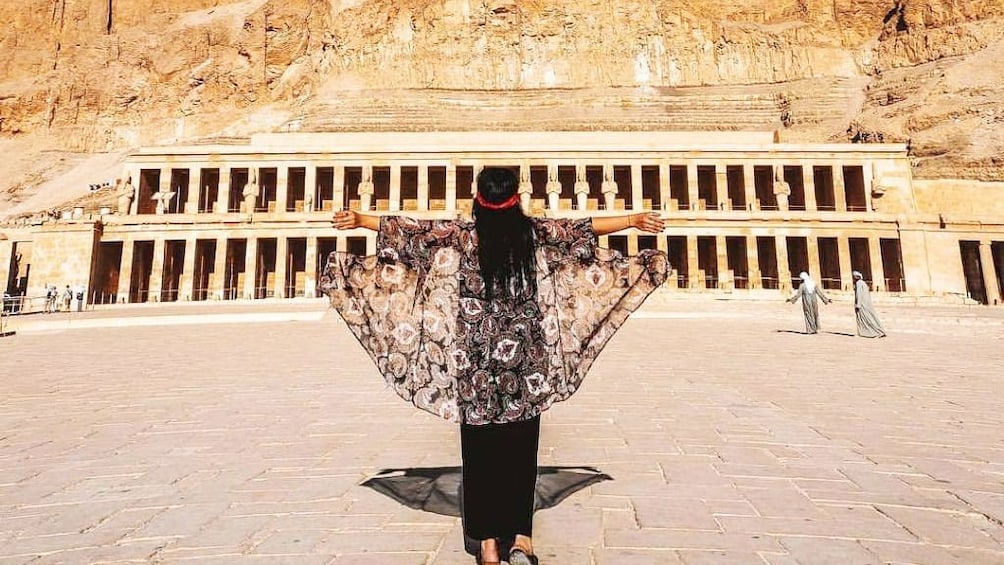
(730, 438)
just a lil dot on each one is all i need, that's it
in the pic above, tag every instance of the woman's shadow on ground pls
(845, 334)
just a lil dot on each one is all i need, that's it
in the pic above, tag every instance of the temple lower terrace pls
(745, 214)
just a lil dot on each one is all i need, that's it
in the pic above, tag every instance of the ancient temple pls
(745, 214)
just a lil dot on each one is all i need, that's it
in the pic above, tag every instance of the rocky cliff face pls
(83, 76)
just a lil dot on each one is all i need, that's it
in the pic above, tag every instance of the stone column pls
(371, 242)
(451, 188)
(783, 272)
(753, 260)
(223, 196)
(839, 191)
(157, 272)
(337, 187)
(281, 187)
(693, 265)
(990, 282)
(749, 185)
(309, 188)
(809, 184)
(125, 271)
(636, 192)
(217, 280)
(632, 243)
(342, 243)
(186, 286)
(692, 192)
(878, 272)
(844, 252)
(722, 187)
(423, 187)
(812, 247)
(395, 188)
(868, 174)
(664, 187)
(191, 206)
(281, 259)
(250, 268)
(310, 263)
(722, 250)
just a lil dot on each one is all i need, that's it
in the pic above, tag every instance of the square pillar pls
(753, 260)
(989, 269)
(812, 247)
(749, 186)
(157, 271)
(783, 272)
(342, 244)
(809, 183)
(125, 271)
(223, 196)
(281, 188)
(281, 260)
(423, 187)
(636, 195)
(868, 176)
(250, 266)
(839, 191)
(191, 206)
(338, 188)
(664, 188)
(186, 287)
(844, 251)
(218, 278)
(395, 188)
(692, 263)
(309, 188)
(310, 263)
(371, 242)
(722, 255)
(632, 244)
(875, 255)
(692, 192)
(451, 187)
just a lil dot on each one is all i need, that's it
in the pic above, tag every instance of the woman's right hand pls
(345, 220)
(650, 222)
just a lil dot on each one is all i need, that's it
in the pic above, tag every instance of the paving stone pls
(729, 442)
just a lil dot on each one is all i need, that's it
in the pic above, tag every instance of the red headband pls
(508, 203)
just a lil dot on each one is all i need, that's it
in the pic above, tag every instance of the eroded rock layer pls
(80, 76)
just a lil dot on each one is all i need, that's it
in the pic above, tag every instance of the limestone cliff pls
(86, 76)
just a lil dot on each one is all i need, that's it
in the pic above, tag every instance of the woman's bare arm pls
(350, 219)
(650, 222)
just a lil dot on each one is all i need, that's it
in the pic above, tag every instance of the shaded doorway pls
(356, 245)
(142, 269)
(892, 265)
(350, 189)
(296, 189)
(295, 284)
(676, 251)
(235, 198)
(997, 251)
(209, 190)
(829, 263)
(625, 188)
(179, 186)
(707, 187)
(324, 189)
(738, 261)
(149, 184)
(793, 176)
(650, 196)
(823, 180)
(268, 180)
(972, 268)
(798, 258)
(766, 249)
(736, 186)
(707, 260)
(104, 285)
(265, 261)
(205, 268)
(235, 265)
(174, 264)
(678, 186)
(618, 243)
(854, 189)
(409, 189)
(437, 188)
(763, 184)
(861, 260)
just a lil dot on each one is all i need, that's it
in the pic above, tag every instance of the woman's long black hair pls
(505, 238)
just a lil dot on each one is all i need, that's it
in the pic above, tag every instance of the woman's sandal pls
(480, 560)
(519, 557)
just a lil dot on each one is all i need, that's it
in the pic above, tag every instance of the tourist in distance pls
(868, 322)
(487, 324)
(809, 291)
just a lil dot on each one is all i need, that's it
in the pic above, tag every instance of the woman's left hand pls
(650, 222)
